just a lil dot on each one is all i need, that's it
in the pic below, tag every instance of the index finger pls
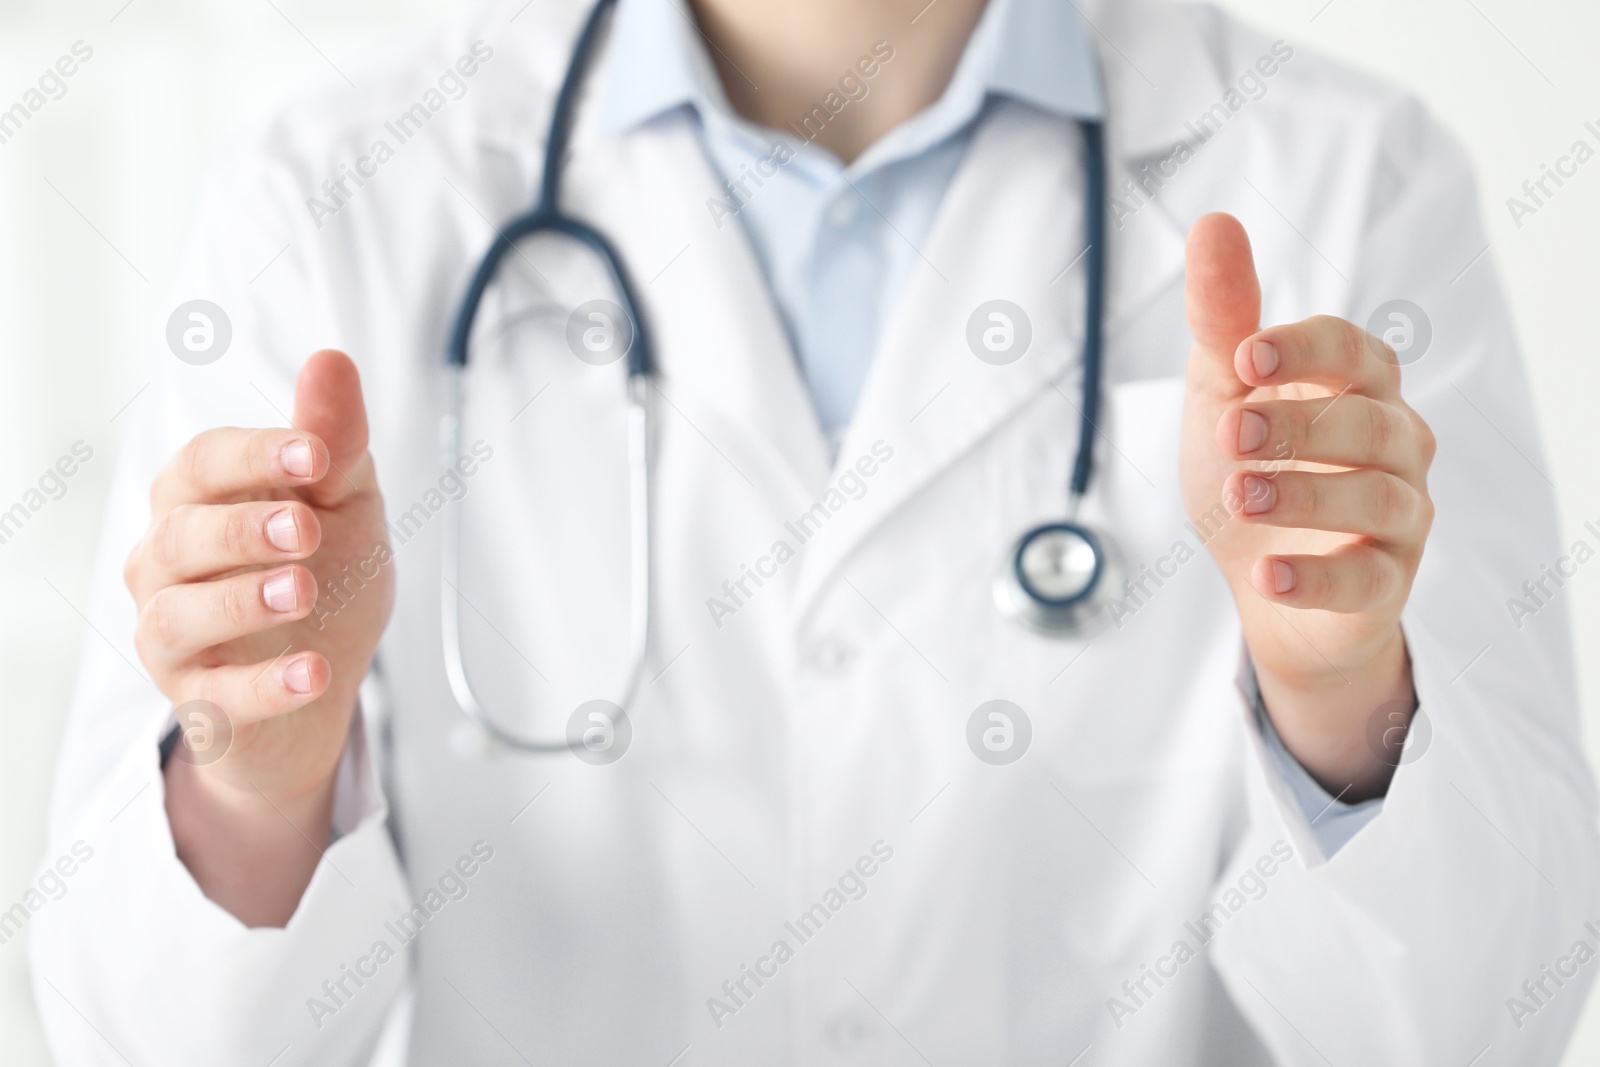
(220, 465)
(1321, 350)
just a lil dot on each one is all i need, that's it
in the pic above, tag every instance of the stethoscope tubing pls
(638, 460)
(546, 217)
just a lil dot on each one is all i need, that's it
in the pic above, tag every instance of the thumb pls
(1222, 298)
(327, 403)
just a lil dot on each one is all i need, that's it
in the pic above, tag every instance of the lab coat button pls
(831, 655)
(848, 1030)
(843, 211)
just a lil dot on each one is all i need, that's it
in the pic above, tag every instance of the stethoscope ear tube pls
(1094, 304)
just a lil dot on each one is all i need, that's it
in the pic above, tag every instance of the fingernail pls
(278, 592)
(1252, 431)
(282, 532)
(1259, 495)
(297, 675)
(1264, 355)
(1282, 576)
(297, 458)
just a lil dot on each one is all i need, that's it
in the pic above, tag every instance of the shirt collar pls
(1045, 57)
(1035, 51)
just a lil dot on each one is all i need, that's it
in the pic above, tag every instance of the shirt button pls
(843, 211)
(847, 1031)
(831, 655)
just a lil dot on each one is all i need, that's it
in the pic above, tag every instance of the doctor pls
(1311, 794)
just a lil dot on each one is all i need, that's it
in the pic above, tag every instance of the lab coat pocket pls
(1132, 756)
(1119, 703)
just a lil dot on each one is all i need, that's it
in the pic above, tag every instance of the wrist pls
(251, 851)
(1323, 717)
(248, 804)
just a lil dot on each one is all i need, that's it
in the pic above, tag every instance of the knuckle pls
(1426, 441)
(1378, 353)
(1389, 369)
(1380, 430)
(237, 536)
(1319, 581)
(1298, 427)
(1380, 348)
(1361, 580)
(268, 691)
(1375, 575)
(210, 686)
(1317, 326)
(1353, 345)
(166, 547)
(262, 455)
(133, 567)
(1387, 503)
(195, 457)
(234, 604)
(157, 624)
(263, 686)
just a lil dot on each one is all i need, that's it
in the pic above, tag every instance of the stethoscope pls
(1059, 580)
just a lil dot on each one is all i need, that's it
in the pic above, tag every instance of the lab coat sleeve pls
(1332, 821)
(1413, 943)
(133, 964)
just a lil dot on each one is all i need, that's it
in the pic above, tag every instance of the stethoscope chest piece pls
(1060, 580)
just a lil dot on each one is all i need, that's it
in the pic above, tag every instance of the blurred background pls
(96, 192)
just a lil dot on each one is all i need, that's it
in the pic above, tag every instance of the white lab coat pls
(828, 714)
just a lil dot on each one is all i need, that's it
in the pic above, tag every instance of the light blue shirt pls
(838, 243)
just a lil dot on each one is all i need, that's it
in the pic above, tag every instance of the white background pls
(97, 190)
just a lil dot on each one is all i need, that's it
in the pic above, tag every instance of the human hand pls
(246, 527)
(1306, 472)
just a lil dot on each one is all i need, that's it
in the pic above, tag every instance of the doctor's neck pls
(817, 68)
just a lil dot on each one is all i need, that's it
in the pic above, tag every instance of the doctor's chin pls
(798, 532)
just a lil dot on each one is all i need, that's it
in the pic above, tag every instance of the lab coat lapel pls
(1010, 229)
(724, 360)
(1156, 84)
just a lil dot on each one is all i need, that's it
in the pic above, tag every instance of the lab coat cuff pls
(1319, 822)
(357, 793)
(1332, 821)
(135, 910)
